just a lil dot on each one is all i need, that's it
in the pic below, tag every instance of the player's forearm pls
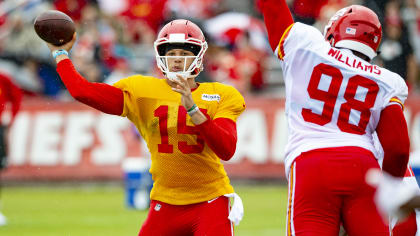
(198, 118)
(103, 97)
(393, 134)
(220, 136)
(277, 18)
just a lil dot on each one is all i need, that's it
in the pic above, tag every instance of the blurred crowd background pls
(115, 40)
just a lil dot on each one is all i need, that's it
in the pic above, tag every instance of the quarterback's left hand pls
(182, 86)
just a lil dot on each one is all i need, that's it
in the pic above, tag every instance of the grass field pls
(99, 210)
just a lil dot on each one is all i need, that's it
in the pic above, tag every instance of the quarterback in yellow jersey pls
(189, 128)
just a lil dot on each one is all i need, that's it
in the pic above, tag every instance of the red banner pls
(68, 140)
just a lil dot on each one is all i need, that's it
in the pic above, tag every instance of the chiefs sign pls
(68, 140)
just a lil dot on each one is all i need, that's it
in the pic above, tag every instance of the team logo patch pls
(351, 31)
(210, 97)
(157, 207)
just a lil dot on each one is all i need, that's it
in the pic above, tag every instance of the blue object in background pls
(416, 171)
(138, 182)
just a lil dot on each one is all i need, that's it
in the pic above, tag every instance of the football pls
(54, 27)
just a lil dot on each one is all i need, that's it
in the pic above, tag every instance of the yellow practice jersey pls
(184, 169)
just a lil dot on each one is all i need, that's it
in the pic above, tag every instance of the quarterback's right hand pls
(66, 47)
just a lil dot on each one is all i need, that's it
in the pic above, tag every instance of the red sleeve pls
(103, 97)
(277, 18)
(393, 135)
(14, 95)
(220, 136)
(16, 99)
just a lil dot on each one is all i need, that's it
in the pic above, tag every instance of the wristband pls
(193, 110)
(59, 52)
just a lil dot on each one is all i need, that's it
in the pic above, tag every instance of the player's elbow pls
(226, 156)
(78, 96)
(227, 152)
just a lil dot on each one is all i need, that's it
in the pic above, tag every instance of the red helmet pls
(181, 34)
(355, 27)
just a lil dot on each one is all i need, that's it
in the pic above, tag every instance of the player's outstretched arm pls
(103, 97)
(393, 134)
(277, 19)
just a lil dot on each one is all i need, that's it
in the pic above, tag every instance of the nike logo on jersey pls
(210, 97)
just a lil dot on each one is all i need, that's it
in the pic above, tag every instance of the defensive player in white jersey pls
(335, 101)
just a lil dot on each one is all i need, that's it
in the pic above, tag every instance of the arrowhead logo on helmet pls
(355, 27)
(182, 34)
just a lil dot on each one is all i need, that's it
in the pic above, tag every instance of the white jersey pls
(333, 98)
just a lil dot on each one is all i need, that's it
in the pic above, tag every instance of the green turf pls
(100, 210)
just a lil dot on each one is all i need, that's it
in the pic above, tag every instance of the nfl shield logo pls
(351, 31)
(157, 207)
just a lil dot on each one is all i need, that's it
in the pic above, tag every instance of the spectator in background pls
(396, 50)
(122, 70)
(239, 65)
(326, 12)
(152, 12)
(238, 52)
(195, 9)
(23, 54)
(220, 64)
(410, 13)
(9, 93)
(72, 8)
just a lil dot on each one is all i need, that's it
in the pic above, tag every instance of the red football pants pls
(408, 227)
(206, 218)
(327, 186)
